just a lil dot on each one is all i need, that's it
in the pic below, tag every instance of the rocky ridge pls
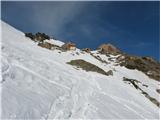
(147, 65)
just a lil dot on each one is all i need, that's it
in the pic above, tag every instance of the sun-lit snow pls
(38, 84)
(55, 42)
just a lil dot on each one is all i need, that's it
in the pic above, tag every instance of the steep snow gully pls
(38, 84)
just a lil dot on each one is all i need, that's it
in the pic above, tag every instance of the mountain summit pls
(108, 48)
(41, 80)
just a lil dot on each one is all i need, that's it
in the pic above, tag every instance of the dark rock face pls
(48, 46)
(88, 66)
(30, 35)
(158, 91)
(37, 37)
(88, 50)
(41, 36)
(135, 84)
(110, 72)
(108, 49)
(145, 64)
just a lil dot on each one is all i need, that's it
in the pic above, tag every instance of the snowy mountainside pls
(37, 83)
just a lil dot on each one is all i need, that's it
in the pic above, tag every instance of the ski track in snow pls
(32, 72)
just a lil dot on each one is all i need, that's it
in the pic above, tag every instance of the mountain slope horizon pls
(108, 42)
(38, 83)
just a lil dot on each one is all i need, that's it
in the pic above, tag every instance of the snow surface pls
(38, 84)
(55, 42)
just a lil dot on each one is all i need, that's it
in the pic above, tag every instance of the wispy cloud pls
(54, 16)
(142, 45)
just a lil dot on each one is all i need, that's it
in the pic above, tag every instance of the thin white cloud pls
(55, 16)
(142, 44)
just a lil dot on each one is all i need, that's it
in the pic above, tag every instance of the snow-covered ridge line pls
(147, 65)
(38, 84)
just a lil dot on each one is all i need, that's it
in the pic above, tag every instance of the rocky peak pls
(108, 48)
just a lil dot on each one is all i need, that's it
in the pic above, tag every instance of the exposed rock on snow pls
(88, 66)
(147, 65)
(135, 84)
(108, 48)
(69, 46)
(38, 36)
(49, 46)
(158, 90)
(88, 50)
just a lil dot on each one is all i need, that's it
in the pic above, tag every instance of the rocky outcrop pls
(108, 49)
(88, 66)
(69, 46)
(158, 91)
(30, 35)
(41, 36)
(110, 72)
(37, 37)
(88, 50)
(48, 45)
(147, 65)
(135, 83)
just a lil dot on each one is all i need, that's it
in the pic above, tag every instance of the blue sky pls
(131, 26)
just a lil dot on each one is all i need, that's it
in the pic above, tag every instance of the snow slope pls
(38, 84)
